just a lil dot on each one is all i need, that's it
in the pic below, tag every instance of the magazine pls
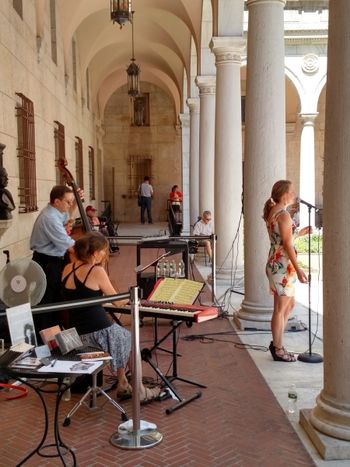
(70, 367)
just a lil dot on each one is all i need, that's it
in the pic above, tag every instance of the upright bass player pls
(50, 242)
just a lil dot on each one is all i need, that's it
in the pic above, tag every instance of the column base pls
(329, 448)
(253, 316)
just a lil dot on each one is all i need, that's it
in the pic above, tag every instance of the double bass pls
(78, 229)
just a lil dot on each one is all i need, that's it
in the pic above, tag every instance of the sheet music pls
(178, 291)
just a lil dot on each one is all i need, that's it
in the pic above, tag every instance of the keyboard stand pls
(158, 342)
(146, 355)
(92, 394)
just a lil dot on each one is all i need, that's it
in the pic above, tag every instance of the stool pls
(92, 393)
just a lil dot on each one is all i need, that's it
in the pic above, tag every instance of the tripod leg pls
(114, 403)
(66, 421)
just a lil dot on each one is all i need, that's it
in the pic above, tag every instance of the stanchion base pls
(139, 439)
(308, 357)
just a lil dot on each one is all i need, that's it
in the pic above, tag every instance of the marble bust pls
(6, 201)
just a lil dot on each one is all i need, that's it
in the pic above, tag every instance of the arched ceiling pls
(162, 28)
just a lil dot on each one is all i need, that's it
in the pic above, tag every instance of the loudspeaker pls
(146, 281)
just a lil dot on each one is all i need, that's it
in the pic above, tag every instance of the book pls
(68, 340)
(48, 336)
(21, 325)
(177, 291)
(26, 362)
(87, 355)
(21, 347)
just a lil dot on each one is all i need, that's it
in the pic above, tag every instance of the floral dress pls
(279, 269)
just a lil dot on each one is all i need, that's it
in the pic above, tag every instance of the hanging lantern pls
(120, 11)
(133, 70)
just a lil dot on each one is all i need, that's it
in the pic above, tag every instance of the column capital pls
(193, 104)
(260, 2)
(206, 84)
(308, 118)
(184, 119)
(227, 49)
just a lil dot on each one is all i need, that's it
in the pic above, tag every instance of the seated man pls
(93, 219)
(204, 227)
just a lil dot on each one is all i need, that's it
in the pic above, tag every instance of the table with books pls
(60, 370)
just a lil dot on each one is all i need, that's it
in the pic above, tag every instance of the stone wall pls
(161, 141)
(27, 67)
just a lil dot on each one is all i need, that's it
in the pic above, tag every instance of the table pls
(60, 380)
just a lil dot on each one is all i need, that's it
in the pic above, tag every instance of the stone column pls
(206, 86)
(332, 412)
(193, 105)
(228, 151)
(265, 149)
(185, 185)
(307, 167)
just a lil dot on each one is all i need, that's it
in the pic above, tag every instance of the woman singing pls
(282, 267)
(86, 278)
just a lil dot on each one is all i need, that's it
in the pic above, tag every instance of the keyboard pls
(192, 313)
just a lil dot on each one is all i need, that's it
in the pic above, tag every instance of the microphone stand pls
(308, 356)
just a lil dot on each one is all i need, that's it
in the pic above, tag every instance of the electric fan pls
(22, 281)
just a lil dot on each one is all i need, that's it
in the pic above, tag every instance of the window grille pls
(79, 169)
(92, 172)
(26, 155)
(139, 167)
(60, 151)
(53, 31)
(18, 6)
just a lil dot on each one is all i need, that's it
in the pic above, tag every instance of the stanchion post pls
(141, 434)
(213, 268)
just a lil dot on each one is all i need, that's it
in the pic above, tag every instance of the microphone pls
(309, 205)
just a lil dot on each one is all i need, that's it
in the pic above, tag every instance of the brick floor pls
(236, 422)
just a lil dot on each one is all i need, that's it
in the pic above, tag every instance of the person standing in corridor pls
(146, 193)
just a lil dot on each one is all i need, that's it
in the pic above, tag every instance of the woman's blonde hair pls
(279, 189)
(87, 245)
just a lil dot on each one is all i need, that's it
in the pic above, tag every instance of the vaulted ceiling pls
(163, 31)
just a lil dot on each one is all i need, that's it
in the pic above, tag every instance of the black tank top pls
(87, 319)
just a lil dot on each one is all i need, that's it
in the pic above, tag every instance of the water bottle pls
(67, 395)
(181, 269)
(159, 270)
(166, 268)
(292, 399)
(172, 269)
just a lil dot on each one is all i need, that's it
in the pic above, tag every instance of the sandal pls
(151, 394)
(125, 394)
(285, 357)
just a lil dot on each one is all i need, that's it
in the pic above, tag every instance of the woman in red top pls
(175, 198)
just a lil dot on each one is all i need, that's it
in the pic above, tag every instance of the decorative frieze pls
(206, 84)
